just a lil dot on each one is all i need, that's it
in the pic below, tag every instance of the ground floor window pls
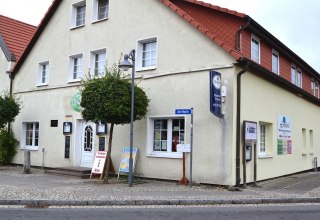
(164, 136)
(30, 135)
(265, 139)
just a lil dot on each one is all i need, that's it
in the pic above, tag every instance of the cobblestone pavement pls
(37, 187)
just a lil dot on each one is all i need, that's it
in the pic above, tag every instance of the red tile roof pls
(219, 24)
(16, 34)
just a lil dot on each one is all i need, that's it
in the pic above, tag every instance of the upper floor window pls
(296, 76)
(315, 88)
(79, 14)
(275, 62)
(255, 49)
(75, 68)
(100, 9)
(147, 54)
(98, 62)
(43, 74)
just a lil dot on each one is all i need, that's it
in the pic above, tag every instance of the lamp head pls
(125, 65)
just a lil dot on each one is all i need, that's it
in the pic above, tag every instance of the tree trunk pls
(106, 176)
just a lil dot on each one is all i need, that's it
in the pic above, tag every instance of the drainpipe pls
(238, 179)
(10, 92)
(238, 33)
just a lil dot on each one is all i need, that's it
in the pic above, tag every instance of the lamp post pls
(126, 65)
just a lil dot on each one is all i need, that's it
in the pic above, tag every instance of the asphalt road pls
(239, 212)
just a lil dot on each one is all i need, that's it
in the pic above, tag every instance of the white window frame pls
(266, 152)
(275, 68)
(315, 88)
(296, 76)
(150, 137)
(72, 59)
(41, 72)
(23, 144)
(299, 78)
(255, 41)
(74, 13)
(93, 62)
(95, 14)
(139, 54)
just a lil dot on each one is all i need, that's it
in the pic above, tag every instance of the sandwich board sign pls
(99, 163)
(124, 163)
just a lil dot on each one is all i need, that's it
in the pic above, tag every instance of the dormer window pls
(255, 49)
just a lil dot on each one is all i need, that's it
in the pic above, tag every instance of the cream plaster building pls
(178, 43)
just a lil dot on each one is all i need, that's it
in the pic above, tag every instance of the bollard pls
(26, 165)
(315, 164)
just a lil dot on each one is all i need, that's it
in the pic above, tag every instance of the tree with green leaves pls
(9, 109)
(108, 99)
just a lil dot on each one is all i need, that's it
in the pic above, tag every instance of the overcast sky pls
(296, 23)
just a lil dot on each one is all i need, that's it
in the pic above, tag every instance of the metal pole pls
(132, 54)
(191, 143)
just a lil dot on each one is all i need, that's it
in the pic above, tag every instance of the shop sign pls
(284, 142)
(75, 102)
(124, 163)
(183, 148)
(215, 93)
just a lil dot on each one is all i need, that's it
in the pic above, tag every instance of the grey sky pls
(295, 23)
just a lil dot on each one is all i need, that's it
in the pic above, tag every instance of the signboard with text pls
(99, 163)
(215, 93)
(284, 143)
(183, 148)
(250, 131)
(124, 163)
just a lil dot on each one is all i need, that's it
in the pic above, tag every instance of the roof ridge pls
(203, 29)
(16, 20)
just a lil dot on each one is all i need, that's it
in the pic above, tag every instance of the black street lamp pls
(126, 65)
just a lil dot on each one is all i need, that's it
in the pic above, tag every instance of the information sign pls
(181, 148)
(124, 163)
(99, 163)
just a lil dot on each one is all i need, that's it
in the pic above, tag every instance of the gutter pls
(239, 31)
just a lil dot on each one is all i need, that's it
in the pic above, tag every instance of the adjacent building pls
(189, 54)
(14, 37)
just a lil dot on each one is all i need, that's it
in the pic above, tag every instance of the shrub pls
(8, 145)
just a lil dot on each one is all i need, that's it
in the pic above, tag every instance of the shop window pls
(30, 135)
(164, 134)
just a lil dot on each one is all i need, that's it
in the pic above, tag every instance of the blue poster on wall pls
(215, 93)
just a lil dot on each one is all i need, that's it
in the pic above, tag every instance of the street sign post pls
(187, 112)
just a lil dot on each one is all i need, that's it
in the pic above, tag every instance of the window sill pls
(74, 80)
(165, 155)
(29, 148)
(141, 69)
(265, 156)
(97, 21)
(76, 27)
(43, 84)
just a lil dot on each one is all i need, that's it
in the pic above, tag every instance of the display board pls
(99, 163)
(124, 163)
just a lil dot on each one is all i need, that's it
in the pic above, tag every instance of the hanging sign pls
(99, 163)
(124, 163)
(215, 93)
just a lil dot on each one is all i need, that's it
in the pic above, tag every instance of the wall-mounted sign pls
(75, 102)
(215, 93)
(101, 128)
(183, 111)
(250, 131)
(284, 145)
(67, 128)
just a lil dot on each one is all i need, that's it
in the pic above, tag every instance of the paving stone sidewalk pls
(38, 188)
